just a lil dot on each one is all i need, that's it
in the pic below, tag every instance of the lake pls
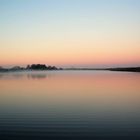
(43, 105)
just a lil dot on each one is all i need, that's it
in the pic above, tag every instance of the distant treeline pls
(30, 67)
(44, 67)
(129, 69)
(125, 69)
(41, 67)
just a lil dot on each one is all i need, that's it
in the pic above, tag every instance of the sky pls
(70, 33)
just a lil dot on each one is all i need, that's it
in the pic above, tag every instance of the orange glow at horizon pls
(70, 53)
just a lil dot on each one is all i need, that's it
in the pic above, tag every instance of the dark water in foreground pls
(70, 105)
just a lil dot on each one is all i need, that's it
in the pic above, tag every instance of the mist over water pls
(70, 105)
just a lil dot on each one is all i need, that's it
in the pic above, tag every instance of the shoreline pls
(130, 69)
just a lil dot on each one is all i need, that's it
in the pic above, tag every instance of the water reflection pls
(36, 76)
(70, 103)
(87, 89)
(29, 75)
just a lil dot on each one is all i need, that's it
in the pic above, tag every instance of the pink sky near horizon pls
(91, 53)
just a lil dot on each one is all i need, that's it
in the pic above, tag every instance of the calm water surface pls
(70, 105)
